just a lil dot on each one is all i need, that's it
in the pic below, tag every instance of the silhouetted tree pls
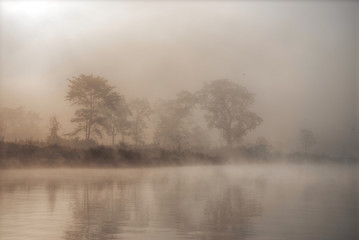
(93, 96)
(260, 149)
(19, 124)
(173, 124)
(199, 139)
(141, 111)
(263, 146)
(227, 105)
(307, 139)
(54, 128)
(118, 121)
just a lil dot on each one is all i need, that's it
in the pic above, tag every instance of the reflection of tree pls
(52, 188)
(211, 207)
(229, 215)
(104, 209)
(92, 220)
(203, 209)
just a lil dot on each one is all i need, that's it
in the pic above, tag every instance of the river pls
(248, 201)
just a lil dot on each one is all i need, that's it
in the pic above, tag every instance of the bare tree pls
(226, 104)
(54, 127)
(93, 95)
(141, 112)
(307, 139)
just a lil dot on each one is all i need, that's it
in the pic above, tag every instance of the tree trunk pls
(228, 137)
(113, 135)
(89, 133)
(136, 133)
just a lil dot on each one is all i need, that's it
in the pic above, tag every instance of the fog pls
(299, 58)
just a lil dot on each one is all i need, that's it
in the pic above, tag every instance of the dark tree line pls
(101, 109)
(178, 125)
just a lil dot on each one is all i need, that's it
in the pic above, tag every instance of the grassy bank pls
(14, 155)
(30, 155)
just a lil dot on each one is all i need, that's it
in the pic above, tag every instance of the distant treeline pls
(100, 110)
(40, 155)
(177, 133)
(37, 154)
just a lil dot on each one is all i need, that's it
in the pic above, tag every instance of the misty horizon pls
(174, 120)
(300, 59)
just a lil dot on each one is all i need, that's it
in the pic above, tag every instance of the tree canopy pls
(227, 109)
(92, 95)
(118, 120)
(141, 112)
(54, 127)
(173, 128)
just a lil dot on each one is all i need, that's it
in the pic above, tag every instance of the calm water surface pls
(276, 202)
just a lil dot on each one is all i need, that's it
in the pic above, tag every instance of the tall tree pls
(141, 112)
(173, 121)
(118, 122)
(226, 104)
(307, 139)
(93, 96)
(54, 127)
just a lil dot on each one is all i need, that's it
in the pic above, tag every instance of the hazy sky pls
(300, 58)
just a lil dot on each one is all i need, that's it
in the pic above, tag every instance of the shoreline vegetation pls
(37, 154)
(206, 126)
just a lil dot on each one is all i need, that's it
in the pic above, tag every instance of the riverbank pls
(16, 155)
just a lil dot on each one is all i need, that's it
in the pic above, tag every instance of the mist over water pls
(173, 120)
(253, 201)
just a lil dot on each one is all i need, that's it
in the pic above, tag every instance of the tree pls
(226, 104)
(260, 149)
(93, 96)
(118, 120)
(141, 111)
(199, 139)
(54, 127)
(307, 139)
(173, 121)
(18, 123)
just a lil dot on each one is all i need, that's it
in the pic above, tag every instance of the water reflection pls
(247, 202)
(200, 208)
